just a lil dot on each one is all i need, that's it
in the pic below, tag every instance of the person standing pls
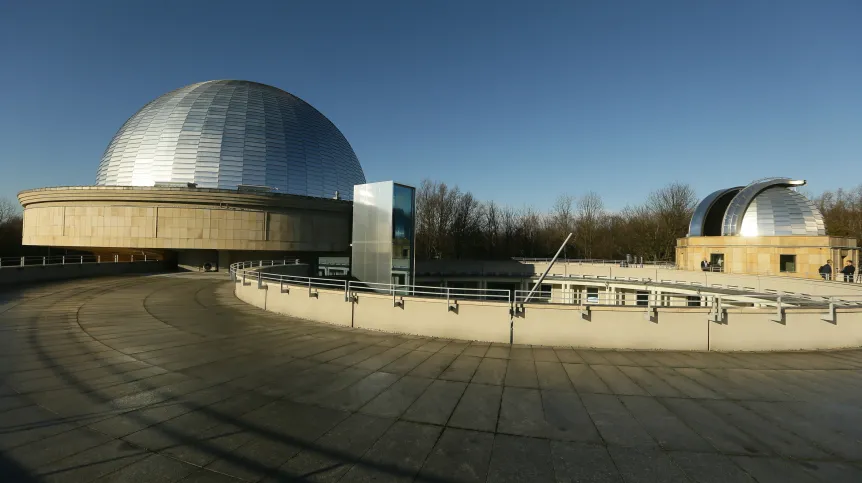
(704, 265)
(849, 270)
(826, 270)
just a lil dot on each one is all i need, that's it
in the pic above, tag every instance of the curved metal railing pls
(714, 296)
(31, 261)
(251, 272)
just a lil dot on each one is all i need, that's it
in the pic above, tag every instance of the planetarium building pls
(210, 173)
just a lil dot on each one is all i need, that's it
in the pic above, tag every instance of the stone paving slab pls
(171, 378)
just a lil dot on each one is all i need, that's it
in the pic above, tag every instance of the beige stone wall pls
(761, 255)
(559, 325)
(139, 219)
(613, 327)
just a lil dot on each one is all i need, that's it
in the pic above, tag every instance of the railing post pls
(22, 261)
(116, 258)
(82, 259)
(63, 260)
(44, 261)
(145, 257)
(98, 259)
(131, 258)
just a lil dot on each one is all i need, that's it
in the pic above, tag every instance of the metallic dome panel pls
(225, 133)
(697, 226)
(780, 211)
(733, 217)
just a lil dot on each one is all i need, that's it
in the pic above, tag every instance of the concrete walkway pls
(168, 378)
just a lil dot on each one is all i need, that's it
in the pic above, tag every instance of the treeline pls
(11, 227)
(453, 224)
(842, 212)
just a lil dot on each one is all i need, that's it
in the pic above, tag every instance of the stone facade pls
(183, 219)
(762, 255)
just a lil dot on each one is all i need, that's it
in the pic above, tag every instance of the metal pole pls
(64, 259)
(22, 261)
(82, 259)
(550, 265)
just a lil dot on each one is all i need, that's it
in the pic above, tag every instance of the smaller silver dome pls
(767, 207)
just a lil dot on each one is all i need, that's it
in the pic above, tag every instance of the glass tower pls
(383, 233)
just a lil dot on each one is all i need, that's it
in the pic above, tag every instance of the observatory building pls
(213, 172)
(765, 228)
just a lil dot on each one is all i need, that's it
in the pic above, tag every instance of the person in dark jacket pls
(849, 270)
(826, 270)
(704, 265)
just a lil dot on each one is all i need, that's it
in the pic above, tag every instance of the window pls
(787, 263)
(642, 298)
(716, 262)
(592, 295)
(693, 300)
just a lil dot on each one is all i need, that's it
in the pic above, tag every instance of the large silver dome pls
(225, 133)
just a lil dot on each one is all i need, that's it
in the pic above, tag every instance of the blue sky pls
(515, 101)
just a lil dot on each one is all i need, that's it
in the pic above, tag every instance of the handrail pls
(600, 261)
(243, 271)
(53, 260)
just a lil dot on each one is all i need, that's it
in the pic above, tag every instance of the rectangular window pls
(693, 301)
(787, 263)
(642, 298)
(716, 262)
(592, 295)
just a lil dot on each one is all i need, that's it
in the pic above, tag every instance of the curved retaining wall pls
(666, 328)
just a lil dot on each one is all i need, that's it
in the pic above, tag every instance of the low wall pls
(798, 329)
(327, 306)
(613, 327)
(665, 328)
(468, 320)
(40, 273)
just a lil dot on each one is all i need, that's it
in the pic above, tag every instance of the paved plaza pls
(171, 378)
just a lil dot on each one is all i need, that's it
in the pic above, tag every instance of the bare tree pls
(672, 206)
(466, 222)
(492, 229)
(509, 229)
(561, 219)
(8, 210)
(589, 218)
(11, 227)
